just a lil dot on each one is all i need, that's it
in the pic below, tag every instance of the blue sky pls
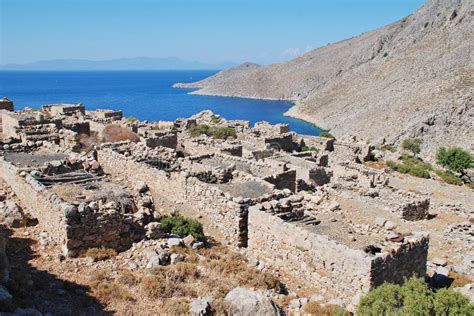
(262, 31)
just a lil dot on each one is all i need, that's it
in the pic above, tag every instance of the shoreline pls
(292, 112)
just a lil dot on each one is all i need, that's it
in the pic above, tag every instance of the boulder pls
(140, 187)
(246, 302)
(189, 240)
(175, 242)
(11, 215)
(201, 307)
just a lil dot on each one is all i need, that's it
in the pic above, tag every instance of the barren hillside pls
(411, 78)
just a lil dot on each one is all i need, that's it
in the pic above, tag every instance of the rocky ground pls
(417, 72)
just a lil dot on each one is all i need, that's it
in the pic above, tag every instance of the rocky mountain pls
(412, 78)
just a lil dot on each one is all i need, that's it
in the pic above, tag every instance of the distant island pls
(136, 63)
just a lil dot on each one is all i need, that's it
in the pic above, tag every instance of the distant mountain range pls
(137, 63)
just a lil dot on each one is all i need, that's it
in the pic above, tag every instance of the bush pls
(326, 135)
(199, 130)
(411, 165)
(215, 119)
(455, 159)
(131, 119)
(181, 226)
(223, 132)
(311, 148)
(389, 148)
(315, 308)
(449, 177)
(218, 133)
(412, 144)
(413, 298)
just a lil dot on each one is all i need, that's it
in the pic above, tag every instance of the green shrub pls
(389, 148)
(449, 302)
(223, 132)
(413, 298)
(199, 130)
(215, 119)
(455, 159)
(131, 119)
(411, 165)
(412, 145)
(326, 135)
(182, 227)
(449, 177)
(310, 148)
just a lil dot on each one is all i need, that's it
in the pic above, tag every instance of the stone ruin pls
(257, 191)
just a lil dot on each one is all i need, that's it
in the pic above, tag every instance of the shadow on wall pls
(47, 293)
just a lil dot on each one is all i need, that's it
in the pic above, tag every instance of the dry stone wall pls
(316, 261)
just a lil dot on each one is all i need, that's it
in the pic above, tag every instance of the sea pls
(146, 95)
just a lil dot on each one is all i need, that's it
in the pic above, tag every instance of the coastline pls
(292, 112)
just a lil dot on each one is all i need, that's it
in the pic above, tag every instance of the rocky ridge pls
(412, 78)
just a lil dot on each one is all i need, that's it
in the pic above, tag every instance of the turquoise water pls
(147, 95)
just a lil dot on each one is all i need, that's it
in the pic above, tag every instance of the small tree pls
(412, 144)
(455, 159)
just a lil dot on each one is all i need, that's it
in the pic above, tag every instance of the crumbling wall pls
(409, 259)
(45, 206)
(229, 217)
(313, 260)
(316, 261)
(73, 228)
(283, 180)
(164, 139)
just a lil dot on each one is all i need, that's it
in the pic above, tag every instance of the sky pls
(211, 31)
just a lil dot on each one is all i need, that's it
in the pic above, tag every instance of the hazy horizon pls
(208, 31)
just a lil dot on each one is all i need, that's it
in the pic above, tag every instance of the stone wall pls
(316, 261)
(73, 228)
(220, 210)
(283, 180)
(409, 259)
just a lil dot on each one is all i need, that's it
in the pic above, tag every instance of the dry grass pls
(116, 133)
(106, 289)
(172, 281)
(314, 308)
(179, 306)
(375, 164)
(128, 278)
(459, 280)
(99, 254)
(234, 266)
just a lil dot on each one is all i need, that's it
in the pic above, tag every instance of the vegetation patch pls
(107, 289)
(182, 227)
(215, 119)
(131, 119)
(414, 297)
(389, 148)
(455, 159)
(99, 254)
(309, 148)
(411, 165)
(412, 145)
(222, 132)
(315, 308)
(326, 135)
(449, 177)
